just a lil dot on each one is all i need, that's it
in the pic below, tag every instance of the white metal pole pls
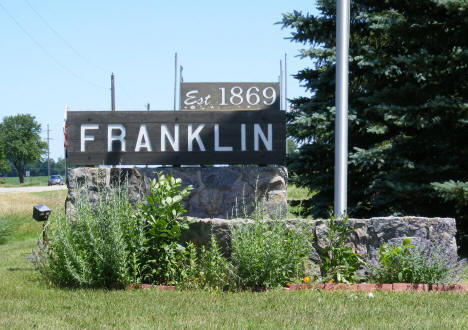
(341, 103)
(281, 85)
(286, 82)
(175, 80)
(65, 142)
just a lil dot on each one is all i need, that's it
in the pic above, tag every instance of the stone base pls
(365, 240)
(219, 192)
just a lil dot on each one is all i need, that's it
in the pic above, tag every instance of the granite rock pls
(217, 192)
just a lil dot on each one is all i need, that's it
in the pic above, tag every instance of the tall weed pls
(93, 249)
(269, 252)
(339, 263)
(207, 268)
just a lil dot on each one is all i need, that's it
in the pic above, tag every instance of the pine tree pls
(408, 107)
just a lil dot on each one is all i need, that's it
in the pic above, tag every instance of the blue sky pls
(77, 44)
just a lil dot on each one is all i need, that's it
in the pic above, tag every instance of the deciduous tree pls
(19, 136)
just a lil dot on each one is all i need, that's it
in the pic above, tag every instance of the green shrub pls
(421, 262)
(395, 265)
(94, 247)
(339, 262)
(207, 268)
(107, 243)
(269, 252)
(162, 256)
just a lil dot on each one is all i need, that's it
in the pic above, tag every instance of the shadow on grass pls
(20, 269)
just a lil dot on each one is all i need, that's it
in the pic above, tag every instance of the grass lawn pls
(296, 197)
(26, 301)
(28, 181)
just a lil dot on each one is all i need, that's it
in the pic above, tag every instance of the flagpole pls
(341, 104)
(175, 80)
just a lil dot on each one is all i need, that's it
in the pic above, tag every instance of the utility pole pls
(48, 152)
(341, 104)
(112, 92)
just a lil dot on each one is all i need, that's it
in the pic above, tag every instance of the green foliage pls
(4, 167)
(269, 252)
(207, 268)
(395, 264)
(163, 222)
(291, 146)
(339, 262)
(39, 168)
(453, 191)
(93, 247)
(21, 141)
(5, 229)
(420, 262)
(408, 108)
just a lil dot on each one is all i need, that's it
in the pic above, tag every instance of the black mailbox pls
(41, 212)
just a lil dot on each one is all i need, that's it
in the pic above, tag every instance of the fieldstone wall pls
(218, 192)
(365, 240)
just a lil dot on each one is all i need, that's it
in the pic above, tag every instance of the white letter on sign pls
(216, 137)
(173, 140)
(267, 142)
(194, 135)
(111, 138)
(143, 134)
(85, 137)
(243, 144)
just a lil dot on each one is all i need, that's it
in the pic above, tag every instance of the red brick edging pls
(151, 286)
(366, 287)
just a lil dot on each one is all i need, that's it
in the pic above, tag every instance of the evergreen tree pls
(408, 107)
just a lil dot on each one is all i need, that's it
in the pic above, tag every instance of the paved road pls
(31, 189)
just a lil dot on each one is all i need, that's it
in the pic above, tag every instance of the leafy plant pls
(394, 260)
(92, 248)
(339, 262)
(269, 252)
(207, 268)
(424, 261)
(163, 222)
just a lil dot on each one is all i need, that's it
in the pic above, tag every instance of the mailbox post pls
(41, 213)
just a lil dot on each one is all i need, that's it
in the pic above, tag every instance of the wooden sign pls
(175, 137)
(229, 96)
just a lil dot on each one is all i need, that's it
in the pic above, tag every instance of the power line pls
(73, 49)
(52, 57)
(58, 35)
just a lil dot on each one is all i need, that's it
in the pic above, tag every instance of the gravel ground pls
(31, 189)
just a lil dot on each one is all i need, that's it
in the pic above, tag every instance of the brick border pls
(363, 287)
(395, 287)
(136, 286)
